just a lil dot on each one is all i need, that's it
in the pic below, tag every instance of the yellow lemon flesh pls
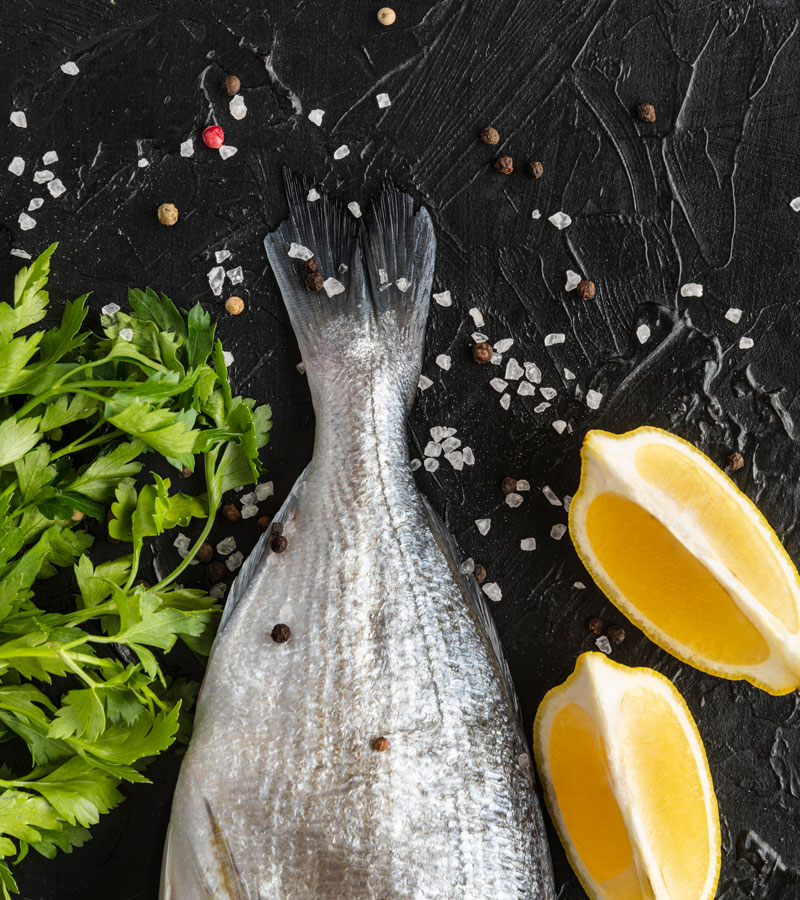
(627, 784)
(685, 555)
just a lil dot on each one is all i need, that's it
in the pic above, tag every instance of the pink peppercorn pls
(213, 136)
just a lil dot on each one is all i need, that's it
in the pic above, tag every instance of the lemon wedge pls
(626, 782)
(685, 555)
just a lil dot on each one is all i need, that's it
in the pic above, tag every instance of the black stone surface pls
(700, 195)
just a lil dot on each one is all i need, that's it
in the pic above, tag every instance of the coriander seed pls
(646, 112)
(482, 352)
(490, 136)
(585, 289)
(234, 305)
(735, 461)
(230, 85)
(387, 16)
(380, 744)
(168, 214)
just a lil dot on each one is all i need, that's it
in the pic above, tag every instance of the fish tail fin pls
(376, 307)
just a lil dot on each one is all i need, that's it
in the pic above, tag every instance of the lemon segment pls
(686, 556)
(627, 784)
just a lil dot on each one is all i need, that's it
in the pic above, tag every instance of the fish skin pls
(281, 794)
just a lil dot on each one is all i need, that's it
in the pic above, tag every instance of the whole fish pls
(377, 752)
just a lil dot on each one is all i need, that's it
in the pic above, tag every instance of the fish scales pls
(281, 793)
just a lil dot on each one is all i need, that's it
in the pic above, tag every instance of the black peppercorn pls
(281, 633)
(508, 485)
(480, 573)
(585, 289)
(205, 554)
(490, 136)
(278, 543)
(314, 281)
(216, 571)
(735, 461)
(596, 625)
(231, 512)
(230, 85)
(504, 165)
(616, 634)
(482, 352)
(536, 169)
(646, 112)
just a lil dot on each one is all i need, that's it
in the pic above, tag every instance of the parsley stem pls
(77, 446)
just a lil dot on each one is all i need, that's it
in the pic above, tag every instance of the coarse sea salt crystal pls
(604, 644)
(505, 401)
(354, 208)
(443, 361)
(56, 187)
(415, 464)
(227, 357)
(555, 338)
(226, 151)
(492, 591)
(221, 255)
(42, 176)
(35, 203)
(533, 372)
(236, 275)
(477, 317)
(218, 590)
(733, 315)
(541, 407)
(312, 195)
(536, 214)
(450, 443)
(567, 501)
(70, 68)
(483, 525)
(19, 118)
(316, 115)
(551, 495)
(443, 299)
(504, 344)
(249, 511)
(560, 220)
(795, 204)
(579, 585)
(514, 370)
(298, 251)
(341, 152)
(216, 277)
(448, 432)
(549, 393)
(456, 459)
(237, 107)
(234, 560)
(17, 165)
(469, 456)
(523, 484)
(570, 376)
(432, 448)
(110, 309)
(558, 531)
(745, 343)
(226, 546)
(479, 337)
(593, 399)
(467, 567)
(573, 280)
(50, 157)
(498, 384)
(182, 540)
(333, 286)
(513, 500)
(187, 147)
(559, 425)
(643, 334)
(527, 544)
(142, 163)
(264, 490)
(525, 389)
(495, 359)
(424, 382)
(126, 334)
(343, 267)
(691, 289)
(26, 222)
(249, 497)
(431, 464)
(402, 284)
(383, 101)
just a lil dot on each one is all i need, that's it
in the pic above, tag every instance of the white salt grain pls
(573, 280)
(312, 195)
(384, 278)
(795, 204)
(264, 490)
(443, 299)
(182, 542)
(525, 389)
(402, 284)
(527, 544)
(216, 277)
(691, 289)
(558, 531)
(17, 165)
(142, 163)
(35, 203)
(415, 464)
(383, 101)
(541, 407)
(503, 345)
(110, 309)
(438, 433)
(479, 337)
(477, 317)
(570, 376)
(643, 333)
(238, 107)
(221, 255)
(26, 222)
(549, 393)
(567, 501)
(514, 370)
(432, 448)
(56, 187)
(424, 382)
(19, 118)
(523, 484)
(745, 343)
(448, 432)
(333, 286)
(354, 208)
(536, 214)
(249, 497)
(187, 147)
(559, 425)
(226, 546)
(450, 443)
(579, 585)
(505, 401)
(483, 525)
(249, 510)
(467, 567)
(498, 384)
(551, 495)
(316, 115)
(469, 456)
(513, 500)
(298, 251)
(126, 334)
(443, 361)
(218, 590)
(593, 399)
(227, 358)
(560, 220)
(533, 372)
(555, 338)
(236, 275)
(431, 464)
(492, 591)
(50, 157)
(341, 152)
(733, 315)
(604, 644)
(456, 459)
(42, 176)
(226, 151)
(234, 560)
(70, 68)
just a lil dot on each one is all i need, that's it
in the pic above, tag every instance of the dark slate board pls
(701, 195)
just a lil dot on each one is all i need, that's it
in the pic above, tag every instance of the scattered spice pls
(596, 625)
(536, 169)
(185, 472)
(482, 352)
(168, 214)
(490, 136)
(278, 543)
(205, 554)
(281, 633)
(216, 571)
(504, 165)
(311, 265)
(735, 461)
(480, 573)
(234, 305)
(263, 523)
(646, 112)
(381, 744)
(213, 137)
(585, 289)
(386, 15)
(314, 281)
(277, 528)
(509, 485)
(616, 634)
(230, 85)
(231, 512)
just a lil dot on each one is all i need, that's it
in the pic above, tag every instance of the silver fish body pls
(282, 793)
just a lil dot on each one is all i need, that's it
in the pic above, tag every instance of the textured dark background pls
(702, 195)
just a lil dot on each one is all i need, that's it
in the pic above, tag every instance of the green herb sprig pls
(83, 690)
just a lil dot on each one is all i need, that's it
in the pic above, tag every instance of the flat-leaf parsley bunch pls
(82, 691)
